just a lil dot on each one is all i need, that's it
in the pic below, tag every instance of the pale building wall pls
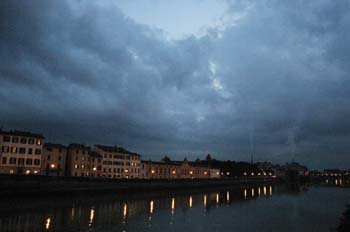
(118, 164)
(78, 160)
(54, 160)
(21, 153)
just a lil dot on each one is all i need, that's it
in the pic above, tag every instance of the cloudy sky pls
(183, 78)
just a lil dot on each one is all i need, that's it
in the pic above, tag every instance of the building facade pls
(21, 152)
(96, 161)
(176, 170)
(54, 160)
(118, 162)
(78, 160)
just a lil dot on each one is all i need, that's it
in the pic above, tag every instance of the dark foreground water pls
(259, 208)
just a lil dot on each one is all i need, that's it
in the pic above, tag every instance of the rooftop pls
(22, 133)
(54, 145)
(115, 149)
(79, 146)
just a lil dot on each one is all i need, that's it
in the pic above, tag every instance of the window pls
(82, 166)
(13, 160)
(21, 161)
(15, 139)
(30, 141)
(5, 149)
(30, 151)
(22, 150)
(76, 166)
(13, 149)
(4, 160)
(37, 152)
(7, 138)
(48, 157)
(36, 162)
(82, 158)
(38, 142)
(29, 161)
(59, 158)
(23, 140)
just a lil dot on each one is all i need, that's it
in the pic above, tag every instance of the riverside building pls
(119, 162)
(177, 170)
(82, 161)
(21, 152)
(54, 160)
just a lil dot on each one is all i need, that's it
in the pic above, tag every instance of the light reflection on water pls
(151, 213)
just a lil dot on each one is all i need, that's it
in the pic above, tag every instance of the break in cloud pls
(268, 78)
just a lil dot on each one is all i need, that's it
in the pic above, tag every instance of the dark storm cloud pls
(275, 84)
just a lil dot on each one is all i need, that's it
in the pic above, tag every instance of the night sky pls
(182, 78)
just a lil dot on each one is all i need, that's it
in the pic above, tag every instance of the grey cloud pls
(83, 72)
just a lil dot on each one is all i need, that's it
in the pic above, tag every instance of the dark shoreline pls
(41, 186)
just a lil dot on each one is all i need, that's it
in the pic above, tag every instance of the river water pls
(259, 208)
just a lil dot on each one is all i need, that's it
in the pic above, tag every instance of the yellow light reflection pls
(73, 213)
(253, 192)
(270, 190)
(245, 193)
(217, 198)
(265, 191)
(190, 202)
(336, 182)
(205, 200)
(48, 222)
(259, 191)
(172, 205)
(92, 215)
(340, 182)
(151, 204)
(228, 197)
(125, 210)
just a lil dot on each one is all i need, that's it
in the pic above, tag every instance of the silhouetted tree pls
(208, 158)
(166, 159)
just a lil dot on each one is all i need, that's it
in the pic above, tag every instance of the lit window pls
(27, 172)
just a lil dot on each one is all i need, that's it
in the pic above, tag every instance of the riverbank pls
(45, 185)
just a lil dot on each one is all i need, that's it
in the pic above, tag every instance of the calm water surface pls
(259, 208)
